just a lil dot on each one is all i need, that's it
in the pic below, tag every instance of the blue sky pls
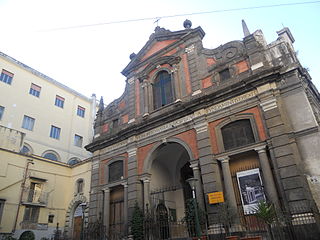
(90, 59)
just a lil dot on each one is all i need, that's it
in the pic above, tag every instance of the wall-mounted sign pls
(215, 197)
(251, 189)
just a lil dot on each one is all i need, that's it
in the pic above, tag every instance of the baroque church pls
(241, 120)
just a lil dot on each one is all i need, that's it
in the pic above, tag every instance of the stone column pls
(199, 193)
(106, 214)
(229, 190)
(146, 191)
(125, 208)
(268, 180)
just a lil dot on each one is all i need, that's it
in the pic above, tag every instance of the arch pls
(73, 161)
(26, 149)
(75, 202)
(150, 156)
(51, 155)
(27, 235)
(235, 118)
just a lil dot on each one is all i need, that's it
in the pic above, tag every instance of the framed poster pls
(251, 189)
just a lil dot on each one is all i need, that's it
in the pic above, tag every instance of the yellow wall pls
(60, 185)
(18, 102)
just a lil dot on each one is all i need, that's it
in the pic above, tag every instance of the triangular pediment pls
(160, 42)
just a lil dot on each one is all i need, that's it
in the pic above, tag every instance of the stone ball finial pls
(132, 56)
(187, 24)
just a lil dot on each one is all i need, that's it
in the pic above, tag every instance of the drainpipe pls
(29, 161)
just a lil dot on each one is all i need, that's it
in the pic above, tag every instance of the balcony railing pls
(34, 197)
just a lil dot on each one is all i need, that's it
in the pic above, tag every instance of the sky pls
(41, 34)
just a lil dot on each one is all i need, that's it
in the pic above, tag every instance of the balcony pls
(34, 197)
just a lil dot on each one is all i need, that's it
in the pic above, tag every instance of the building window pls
(79, 186)
(50, 218)
(73, 161)
(115, 171)
(1, 112)
(28, 122)
(81, 111)
(6, 77)
(236, 134)
(59, 101)
(26, 149)
(115, 123)
(31, 214)
(55, 132)
(224, 74)
(162, 90)
(2, 201)
(35, 90)
(78, 140)
(51, 156)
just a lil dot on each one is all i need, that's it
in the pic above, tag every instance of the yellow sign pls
(215, 197)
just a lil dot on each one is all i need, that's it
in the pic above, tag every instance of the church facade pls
(242, 119)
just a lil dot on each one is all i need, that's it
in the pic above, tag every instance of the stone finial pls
(187, 24)
(101, 105)
(245, 29)
(132, 56)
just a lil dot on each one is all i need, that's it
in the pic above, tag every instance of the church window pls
(236, 134)
(115, 171)
(162, 90)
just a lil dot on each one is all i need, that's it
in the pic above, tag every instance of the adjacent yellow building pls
(44, 169)
(57, 120)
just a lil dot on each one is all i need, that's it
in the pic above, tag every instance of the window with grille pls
(35, 90)
(6, 77)
(28, 123)
(162, 90)
(31, 214)
(81, 111)
(236, 134)
(78, 140)
(115, 171)
(59, 102)
(1, 112)
(55, 132)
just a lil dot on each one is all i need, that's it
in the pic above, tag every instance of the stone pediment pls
(160, 42)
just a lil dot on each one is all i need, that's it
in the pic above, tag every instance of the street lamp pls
(193, 182)
(83, 207)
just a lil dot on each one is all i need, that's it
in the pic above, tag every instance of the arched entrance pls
(169, 169)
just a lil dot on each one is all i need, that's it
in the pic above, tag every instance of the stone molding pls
(269, 104)
(132, 152)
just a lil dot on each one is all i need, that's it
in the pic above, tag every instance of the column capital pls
(224, 159)
(132, 152)
(201, 127)
(194, 165)
(106, 190)
(260, 149)
(146, 177)
(125, 184)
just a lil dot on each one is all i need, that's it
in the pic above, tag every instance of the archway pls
(169, 169)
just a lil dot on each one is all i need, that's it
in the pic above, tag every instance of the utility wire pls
(156, 19)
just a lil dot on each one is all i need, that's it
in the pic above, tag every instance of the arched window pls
(51, 155)
(26, 149)
(115, 171)
(73, 161)
(162, 90)
(236, 134)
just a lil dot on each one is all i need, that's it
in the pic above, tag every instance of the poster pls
(251, 189)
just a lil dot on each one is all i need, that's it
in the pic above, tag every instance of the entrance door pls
(162, 219)
(116, 213)
(77, 223)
